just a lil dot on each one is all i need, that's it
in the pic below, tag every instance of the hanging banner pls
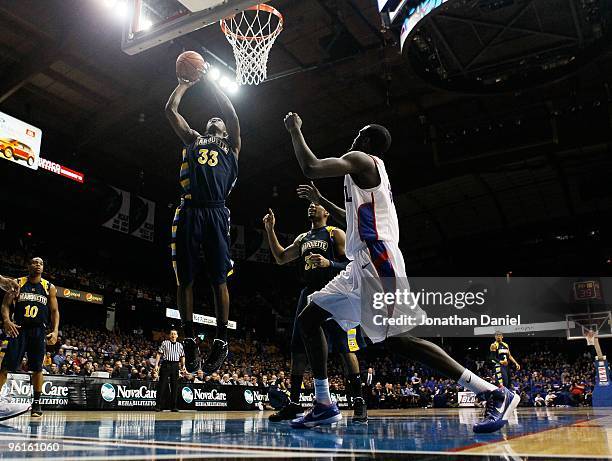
(19, 141)
(117, 210)
(237, 242)
(142, 218)
(257, 248)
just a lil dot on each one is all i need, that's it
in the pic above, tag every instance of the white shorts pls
(341, 297)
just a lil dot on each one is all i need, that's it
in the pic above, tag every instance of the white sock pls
(322, 391)
(474, 382)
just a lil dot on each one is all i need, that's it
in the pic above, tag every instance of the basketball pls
(189, 66)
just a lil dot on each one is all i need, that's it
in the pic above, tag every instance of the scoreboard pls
(587, 290)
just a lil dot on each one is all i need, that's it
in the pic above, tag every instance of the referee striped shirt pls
(171, 351)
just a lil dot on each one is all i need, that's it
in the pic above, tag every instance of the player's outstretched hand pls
(269, 220)
(9, 285)
(309, 192)
(518, 367)
(11, 329)
(293, 121)
(52, 338)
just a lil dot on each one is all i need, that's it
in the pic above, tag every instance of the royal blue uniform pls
(321, 241)
(208, 173)
(31, 313)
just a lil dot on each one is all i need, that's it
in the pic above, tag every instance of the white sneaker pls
(10, 409)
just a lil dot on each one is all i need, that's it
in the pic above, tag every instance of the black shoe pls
(288, 412)
(36, 410)
(217, 356)
(360, 411)
(175, 410)
(192, 355)
(158, 409)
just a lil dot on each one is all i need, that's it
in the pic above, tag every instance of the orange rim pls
(260, 7)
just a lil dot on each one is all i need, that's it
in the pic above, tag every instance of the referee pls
(172, 355)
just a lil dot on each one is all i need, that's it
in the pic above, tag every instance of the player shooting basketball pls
(372, 245)
(321, 254)
(208, 173)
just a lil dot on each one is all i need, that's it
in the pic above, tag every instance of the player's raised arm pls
(229, 117)
(281, 255)
(355, 163)
(312, 194)
(54, 311)
(178, 123)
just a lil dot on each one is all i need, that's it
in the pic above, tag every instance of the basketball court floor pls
(535, 433)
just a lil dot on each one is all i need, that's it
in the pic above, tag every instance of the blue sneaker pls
(500, 404)
(318, 415)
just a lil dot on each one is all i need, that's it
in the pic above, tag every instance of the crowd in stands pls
(547, 378)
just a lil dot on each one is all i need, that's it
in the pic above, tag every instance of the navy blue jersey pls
(500, 351)
(32, 305)
(317, 241)
(209, 169)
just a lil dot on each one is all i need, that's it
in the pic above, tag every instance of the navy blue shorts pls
(206, 229)
(502, 376)
(30, 341)
(338, 340)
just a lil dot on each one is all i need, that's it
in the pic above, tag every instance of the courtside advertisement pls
(19, 141)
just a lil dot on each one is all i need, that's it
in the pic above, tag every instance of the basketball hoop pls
(252, 34)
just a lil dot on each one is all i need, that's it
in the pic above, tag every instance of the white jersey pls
(377, 264)
(370, 213)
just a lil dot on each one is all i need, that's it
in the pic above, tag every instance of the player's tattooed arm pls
(178, 123)
(355, 163)
(281, 255)
(54, 309)
(311, 193)
(10, 328)
(229, 117)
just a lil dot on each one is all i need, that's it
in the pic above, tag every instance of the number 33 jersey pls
(209, 169)
(32, 305)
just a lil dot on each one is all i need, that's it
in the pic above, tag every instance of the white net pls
(252, 34)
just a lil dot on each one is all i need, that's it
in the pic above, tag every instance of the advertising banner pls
(19, 141)
(84, 393)
(77, 295)
(207, 397)
(466, 399)
(58, 392)
(112, 394)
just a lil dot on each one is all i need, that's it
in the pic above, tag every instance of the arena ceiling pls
(460, 163)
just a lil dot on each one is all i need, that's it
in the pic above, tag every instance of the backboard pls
(579, 324)
(153, 22)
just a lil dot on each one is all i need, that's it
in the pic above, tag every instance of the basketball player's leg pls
(299, 361)
(185, 254)
(12, 360)
(436, 358)
(347, 344)
(35, 348)
(219, 266)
